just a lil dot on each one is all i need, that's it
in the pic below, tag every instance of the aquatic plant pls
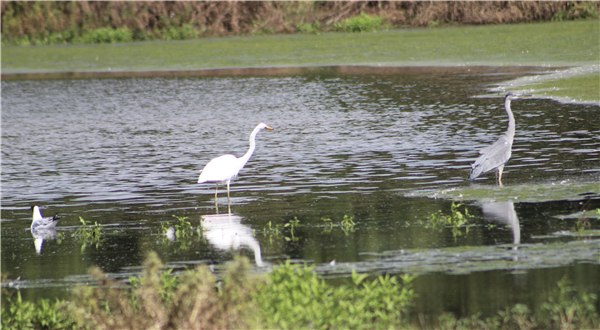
(456, 220)
(292, 224)
(347, 224)
(271, 231)
(88, 234)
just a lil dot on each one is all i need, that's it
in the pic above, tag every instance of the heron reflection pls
(227, 232)
(41, 234)
(503, 213)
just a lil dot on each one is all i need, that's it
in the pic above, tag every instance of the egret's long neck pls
(510, 131)
(244, 159)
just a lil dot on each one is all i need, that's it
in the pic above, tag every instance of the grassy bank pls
(45, 23)
(521, 45)
(290, 296)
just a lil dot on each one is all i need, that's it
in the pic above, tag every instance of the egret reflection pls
(227, 232)
(503, 213)
(41, 234)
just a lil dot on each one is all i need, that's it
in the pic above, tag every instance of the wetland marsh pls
(387, 148)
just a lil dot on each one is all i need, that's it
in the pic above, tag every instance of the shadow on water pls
(359, 160)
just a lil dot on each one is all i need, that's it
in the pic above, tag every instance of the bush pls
(296, 298)
(360, 23)
(41, 315)
(105, 35)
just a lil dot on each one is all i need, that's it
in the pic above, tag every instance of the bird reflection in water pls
(504, 213)
(41, 234)
(227, 232)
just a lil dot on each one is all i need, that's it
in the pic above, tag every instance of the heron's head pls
(515, 96)
(33, 207)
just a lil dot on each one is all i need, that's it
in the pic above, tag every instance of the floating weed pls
(456, 220)
(88, 234)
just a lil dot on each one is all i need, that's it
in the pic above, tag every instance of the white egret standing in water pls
(495, 156)
(224, 168)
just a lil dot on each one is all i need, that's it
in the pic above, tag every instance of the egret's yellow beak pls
(271, 128)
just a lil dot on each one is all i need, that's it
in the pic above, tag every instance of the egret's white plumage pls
(224, 168)
(495, 156)
(40, 222)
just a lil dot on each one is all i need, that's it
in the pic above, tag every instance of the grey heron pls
(495, 156)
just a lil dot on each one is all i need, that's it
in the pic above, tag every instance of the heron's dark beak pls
(269, 128)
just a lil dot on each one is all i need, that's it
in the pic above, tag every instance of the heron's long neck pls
(510, 131)
(244, 159)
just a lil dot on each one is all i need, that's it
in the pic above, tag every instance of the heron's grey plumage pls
(495, 156)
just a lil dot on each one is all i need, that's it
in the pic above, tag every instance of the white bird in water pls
(40, 222)
(224, 168)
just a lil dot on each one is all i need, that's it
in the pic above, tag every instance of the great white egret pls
(224, 168)
(495, 156)
(40, 222)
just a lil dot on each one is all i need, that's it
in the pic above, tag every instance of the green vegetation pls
(455, 220)
(580, 88)
(43, 23)
(296, 298)
(360, 23)
(567, 308)
(485, 45)
(291, 296)
(88, 235)
(347, 224)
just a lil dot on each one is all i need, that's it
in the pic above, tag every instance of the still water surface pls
(378, 145)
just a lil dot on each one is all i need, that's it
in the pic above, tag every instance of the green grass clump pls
(88, 235)
(296, 298)
(19, 314)
(360, 23)
(455, 220)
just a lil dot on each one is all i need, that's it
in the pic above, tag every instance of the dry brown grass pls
(195, 303)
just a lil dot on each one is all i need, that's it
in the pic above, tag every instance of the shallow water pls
(387, 147)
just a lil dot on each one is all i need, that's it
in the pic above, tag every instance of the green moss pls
(580, 88)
